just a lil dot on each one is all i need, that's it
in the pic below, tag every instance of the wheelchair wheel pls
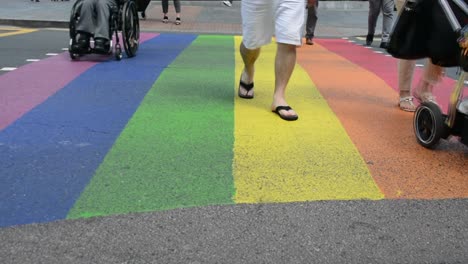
(72, 30)
(130, 28)
(428, 123)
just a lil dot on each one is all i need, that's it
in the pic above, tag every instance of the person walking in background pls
(312, 6)
(165, 8)
(423, 92)
(261, 19)
(375, 6)
(141, 7)
(228, 3)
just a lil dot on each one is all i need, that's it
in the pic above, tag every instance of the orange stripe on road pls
(383, 134)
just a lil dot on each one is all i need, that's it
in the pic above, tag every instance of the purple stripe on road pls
(23, 89)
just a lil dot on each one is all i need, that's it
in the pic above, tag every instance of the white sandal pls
(406, 104)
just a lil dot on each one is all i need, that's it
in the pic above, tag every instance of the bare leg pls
(405, 80)
(284, 65)
(249, 57)
(405, 76)
(431, 76)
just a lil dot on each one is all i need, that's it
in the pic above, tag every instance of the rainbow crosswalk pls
(165, 130)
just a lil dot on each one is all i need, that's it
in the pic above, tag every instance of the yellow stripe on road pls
(15, 31)
(309, 159)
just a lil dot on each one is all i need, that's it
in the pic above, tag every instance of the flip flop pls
(247, 87)
(286, 108)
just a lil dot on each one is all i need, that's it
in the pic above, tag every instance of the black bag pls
(411, 31)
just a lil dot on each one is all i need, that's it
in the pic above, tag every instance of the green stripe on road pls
(176, 151)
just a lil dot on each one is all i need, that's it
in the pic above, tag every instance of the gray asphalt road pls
(16, 50)
(398, 231)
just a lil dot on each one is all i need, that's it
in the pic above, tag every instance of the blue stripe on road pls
(72, 131)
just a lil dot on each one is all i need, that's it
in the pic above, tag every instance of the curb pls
(34, 23)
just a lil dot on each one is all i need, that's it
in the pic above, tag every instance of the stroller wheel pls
(428, 123)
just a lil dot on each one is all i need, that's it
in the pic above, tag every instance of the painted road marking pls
(309, 159)
(163, 158)
(16, 31)
(350, 90)
(82, 111)
(364, 98)
(8, 69)
(32, 60)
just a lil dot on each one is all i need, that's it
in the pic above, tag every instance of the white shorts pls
(263, 19)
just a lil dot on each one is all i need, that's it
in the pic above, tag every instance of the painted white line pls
(51, 54)
(378, 51)
(8, 69)
(344, 38)
(64, 48)
(33, 60)
(419, 65)
(367, 47)
(351, 41)
(388, 55)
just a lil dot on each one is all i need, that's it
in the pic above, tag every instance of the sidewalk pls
(336, 18)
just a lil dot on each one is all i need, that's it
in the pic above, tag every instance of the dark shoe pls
(82, 43)
(309, 41)
(369, 39)
(101, 46)
(177, 21)
(384, 45)
(285, 117)
(165, 19)
(143, 15)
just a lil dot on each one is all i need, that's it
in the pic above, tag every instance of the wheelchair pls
(429, 122)
(123, 18)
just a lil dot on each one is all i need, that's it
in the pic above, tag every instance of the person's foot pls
(227, 3)
(406, 104)
(309, 41)
(423, 92)
(246, 86)
(101, 45)
(165, 19)
(143, 15)
(82, 43)
(178, 21)
(285, 112)
(369, 39)
(384, 45)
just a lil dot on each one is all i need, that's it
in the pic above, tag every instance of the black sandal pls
(248, 88)
(284, 117)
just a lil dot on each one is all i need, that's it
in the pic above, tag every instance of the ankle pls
(405, 94)
(246, 77)
(424, 87)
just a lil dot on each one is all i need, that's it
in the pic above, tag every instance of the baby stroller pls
(446, 43)
(123, 19)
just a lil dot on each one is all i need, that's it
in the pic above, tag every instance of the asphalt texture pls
(424, 223)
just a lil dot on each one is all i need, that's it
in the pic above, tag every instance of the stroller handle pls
(450, 15)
